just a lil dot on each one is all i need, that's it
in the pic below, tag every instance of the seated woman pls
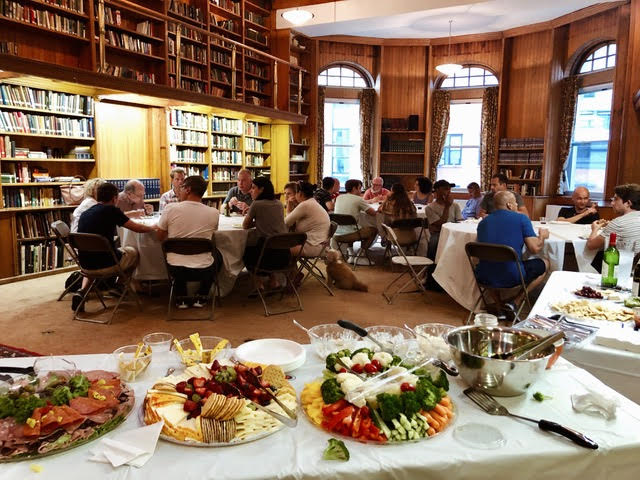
(398, 206)
(309, 217)
(90, 192)
(290, 199)
(265, 214)
(423, 192)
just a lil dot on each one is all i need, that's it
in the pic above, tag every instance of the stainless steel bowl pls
(471, 349)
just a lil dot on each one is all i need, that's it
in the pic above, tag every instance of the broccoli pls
(427, 393)
(442, 381)
(61, 396)
(366, 350)
(345, 352)
(411, 403)
(396, 361)
(331, 391)
(7, 407)
(332, 358)
(226, 375)
(25, 405)
(390, 406)
(540, 397)
(79, 385)
(336, 450)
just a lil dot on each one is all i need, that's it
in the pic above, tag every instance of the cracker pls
(274, 376)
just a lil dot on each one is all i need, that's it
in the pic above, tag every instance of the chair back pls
(282, 241)
(60, 229)
(333, 226)
(491, 252)
(343, 219)
(92, 243)
(188, 246)
(407, 223)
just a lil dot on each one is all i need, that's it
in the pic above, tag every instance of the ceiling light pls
(297, 16)
(449, 68)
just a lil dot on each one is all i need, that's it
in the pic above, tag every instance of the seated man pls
(626, 204)
(177, 177)
(582, 212)
(239, 197)
(499, 184)
(323, 194)
(439, 212)
(131, 200)
(376, 193)
(190, 218)
(472, 207)
(351, 203)
(506, 226)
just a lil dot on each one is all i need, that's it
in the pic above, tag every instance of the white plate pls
(286, 354)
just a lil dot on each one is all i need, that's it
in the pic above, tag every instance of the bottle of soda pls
(610, 261)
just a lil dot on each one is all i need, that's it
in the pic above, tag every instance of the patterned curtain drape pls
(488, 131)
(439, 128)
(367, 98)
(570, 90)
(320, 137)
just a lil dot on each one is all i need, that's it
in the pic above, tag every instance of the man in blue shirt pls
(506, 226)
(472, 207)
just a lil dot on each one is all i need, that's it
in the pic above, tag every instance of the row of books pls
(226, 24)
(255, 144)
(193, 85)
(232, 6)
(520, 157)
(133, 44)
(223, 174)
(407, 165)
(113, 17)
(126, 72)
(256, 69)
(186, 154)
(526, 142)
(232, 158)
(56, 102)
(222, 58)
(31, 197)
(257, 36)
(226, 125)
(254, 17)
(188, 137)
(184, 9)
(525, 174)
(38, 224)
(180, 118)
(220, 75)
(24, 173)
(192, 170)
(255, 160)
(41, 257)
(186, 70)
(188, 51)
(73, 5)
(46, 125)
(10, 48)
(223, 141)
(151, 186)
(403, 146)
(43, 18)
(523, 189)
(254, 129)
(256, 85)
(8, 149)
(186, 32)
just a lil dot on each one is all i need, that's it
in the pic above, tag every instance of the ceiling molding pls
(281, 4)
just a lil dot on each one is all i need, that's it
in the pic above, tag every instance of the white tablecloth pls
(297, 453)
(453, 271)
(617, 368)
(230, 237)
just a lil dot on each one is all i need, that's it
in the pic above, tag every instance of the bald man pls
(583, 211)
(376, 193)
(131, 200)
(505, 226)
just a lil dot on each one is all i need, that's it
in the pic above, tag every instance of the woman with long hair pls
(397, 206)
(290, 198)
(309, 217)
(423, 193)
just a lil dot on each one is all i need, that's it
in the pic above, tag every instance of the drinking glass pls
(543, 220)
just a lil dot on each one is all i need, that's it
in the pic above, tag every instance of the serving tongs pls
(363, 333)
(22, 370)
(527, 350)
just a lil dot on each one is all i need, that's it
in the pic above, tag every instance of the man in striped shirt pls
(626, 204)
(177, 177)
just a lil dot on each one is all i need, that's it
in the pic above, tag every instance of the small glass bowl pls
(159, 341)
(433, 344)
(397, 339)
(130, 367)
(208, 344)
(330, 338)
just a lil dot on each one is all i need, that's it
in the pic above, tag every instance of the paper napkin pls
(131, 447)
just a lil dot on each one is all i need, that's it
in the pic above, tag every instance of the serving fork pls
(492, 407)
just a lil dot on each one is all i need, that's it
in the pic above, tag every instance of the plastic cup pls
(131, 367)
(543, 220)
(159, 341)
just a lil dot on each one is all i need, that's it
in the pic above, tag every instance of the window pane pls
(476, 81)
(342, 141)
(334, 81)
(359, 82)
(461, 82)
(491, 80)
(611, 61)
(322, 80)
(334, 71)
(586, 67)
(612, 49)
(447, 83)
(455, 140)
(474, 71)
(470, 77)
(601, 52)
(599, 63)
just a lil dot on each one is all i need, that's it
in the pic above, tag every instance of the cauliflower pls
(360, 358)
(346, 360)
(384, 358)
(349, 382)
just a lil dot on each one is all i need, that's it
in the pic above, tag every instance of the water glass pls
(543, 220)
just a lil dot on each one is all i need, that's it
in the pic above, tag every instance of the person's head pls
(377, 184)
(336, 185)
(107, 193)
(244, 180)
(353, 186)
(474, 190)
(192, 186)
(505, 200)
(177, 177)
(327, 183)
(442, 189)
(423, 185)
(581, 198)
(398, 189)
(305, 191)
(262, 189)
(499, 182)
(134, 189)
(91, 187)
(626, 198)
(290, 190)
(402, 204)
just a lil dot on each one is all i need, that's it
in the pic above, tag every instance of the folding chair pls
(409, 262)
(283, 241)
(192, 246)
(408, 224)
(92, 243)
(491, 252)
(61, 231)
(309, 264)
(348, 220)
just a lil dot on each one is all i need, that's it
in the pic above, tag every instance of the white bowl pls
(286, 354)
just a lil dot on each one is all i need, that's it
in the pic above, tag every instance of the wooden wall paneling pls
(483, 52)
(9, 257)
(376, 135)
(312, 119)
(430, 83)
(363, 55)
(157, 165)
(588, 30)
(503, 91)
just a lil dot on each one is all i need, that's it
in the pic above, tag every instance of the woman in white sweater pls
(90, 190)
(309, 217)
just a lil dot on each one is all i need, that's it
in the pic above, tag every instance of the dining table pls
(453, 271)
(475, 445)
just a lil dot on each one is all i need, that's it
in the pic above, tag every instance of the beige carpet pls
(31, 318)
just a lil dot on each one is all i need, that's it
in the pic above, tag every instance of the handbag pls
(72, 194)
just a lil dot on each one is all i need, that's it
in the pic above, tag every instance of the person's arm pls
(458, 212)
(138, 227)
(483, 209)
(331, 205)
(162, 234)
(578, 216)
(248, 220)
(534, 244)
(521, 207)
(597, 239)
(294, 216)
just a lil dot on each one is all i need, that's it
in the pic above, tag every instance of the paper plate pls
(286, 354)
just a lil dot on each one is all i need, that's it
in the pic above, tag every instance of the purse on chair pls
(72, 194)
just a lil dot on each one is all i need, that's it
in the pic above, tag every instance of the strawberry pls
(199, 382)
(210, 385)
(191, 380)
(181, 386)
(189, 406)
(201, 391)
(370, 368)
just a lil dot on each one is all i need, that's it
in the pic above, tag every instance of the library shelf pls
(235, 134)
(188, 128)
(57, 8)
(299, 145)
(401, 153)
(116, 49)
(236, 165)
(39, 28)
(257, 152)
(40, 184)
(27, 276)
(521, 149)
(49, 160)
(520, 164)
(256, 8)
(188, 162)
(43, 110)
(259, 138)
(403, 131)
(192, 145)
(524, 180)
(134, 32)
(44, 135)
(36, 208)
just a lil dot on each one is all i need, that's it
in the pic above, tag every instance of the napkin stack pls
(595, 403)
(131, 447)
(618, 338)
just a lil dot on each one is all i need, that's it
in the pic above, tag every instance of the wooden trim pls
(466, 93)
(281, 4)
(597, 78)
(472, 37)
(29, 276)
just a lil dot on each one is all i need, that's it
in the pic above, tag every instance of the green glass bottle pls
(610, 262)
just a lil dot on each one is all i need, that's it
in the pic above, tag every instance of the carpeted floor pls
(32, 319)
(12, 352)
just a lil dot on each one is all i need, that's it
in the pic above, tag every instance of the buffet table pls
(619, 369)
(297, 453)
(453, 271)
(230, 239)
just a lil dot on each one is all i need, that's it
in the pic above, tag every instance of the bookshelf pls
(257, 148)
(226, 153)
(189, 142)
(521, 160)
(401, 152)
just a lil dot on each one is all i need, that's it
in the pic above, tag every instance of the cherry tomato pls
(343, 370)
(370, 368)
(407, 387)
(356, 367)
(376, 363)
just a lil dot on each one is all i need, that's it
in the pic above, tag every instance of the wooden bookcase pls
(257, 148)
(226, 153)
(521, 160)
(189, 142)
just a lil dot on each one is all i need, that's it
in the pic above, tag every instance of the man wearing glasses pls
(626, 204)
(376, 193)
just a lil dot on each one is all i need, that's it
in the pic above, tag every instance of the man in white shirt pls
(439, 212)
(177, 177)
(190, 218)
(626, 204)
(352, 203)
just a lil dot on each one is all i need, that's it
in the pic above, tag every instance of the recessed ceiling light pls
(297, 16)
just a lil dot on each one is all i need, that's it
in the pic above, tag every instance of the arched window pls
(343, 75)
(470, 77)
(601, 57)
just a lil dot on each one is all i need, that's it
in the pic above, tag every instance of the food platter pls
(66, 409)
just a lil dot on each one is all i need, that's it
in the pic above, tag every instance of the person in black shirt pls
(323, 195)
(583, 211)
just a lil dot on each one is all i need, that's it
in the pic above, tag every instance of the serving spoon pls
(302, 327)
(448, 369)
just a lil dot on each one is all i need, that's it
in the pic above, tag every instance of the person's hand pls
(543, 233)
(598, 224)
(448, 200)
(233, 201)
(241, 205)
(591, 210)
(148, 209)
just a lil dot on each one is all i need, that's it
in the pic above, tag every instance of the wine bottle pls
(636, 277)
(610, 261)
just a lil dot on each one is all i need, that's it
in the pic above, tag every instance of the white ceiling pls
(429, 18)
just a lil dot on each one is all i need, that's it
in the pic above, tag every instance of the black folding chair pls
(408, 224)
(492, 252)
(283, 242)
(192, 246)
(309, 264)
(344, 220)
(97, 244)
(61, 230)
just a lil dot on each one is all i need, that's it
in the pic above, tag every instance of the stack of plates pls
(286, 354)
